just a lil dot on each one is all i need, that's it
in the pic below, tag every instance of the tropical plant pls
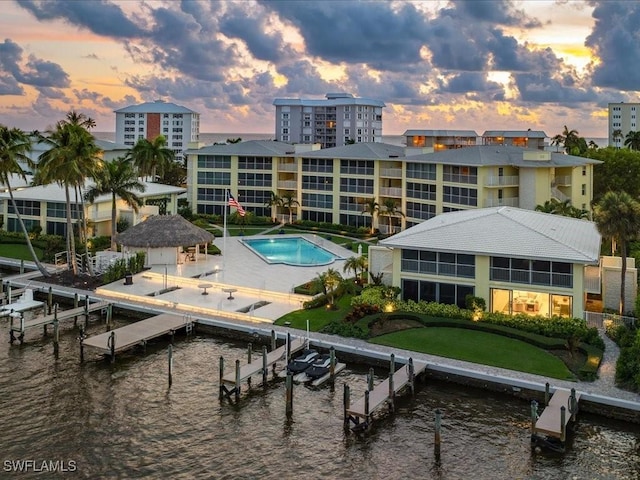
(569, 139)
(563, 208)
(328, 281)
(632, 140)
(70, 160)
(119, 179)
(14, 146)
(357, 265)
(617, 216)
(234, 140)
(557, 140)
(274, 201)
(289, 201)
(151, 157)
(617, 136)
(174, 174)
(371, 207)
(592, 145)
(391, 210)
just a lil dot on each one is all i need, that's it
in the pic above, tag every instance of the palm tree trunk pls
(114, 231)
(623, 274)
(83, 235)
(71, 241)
(43, 271)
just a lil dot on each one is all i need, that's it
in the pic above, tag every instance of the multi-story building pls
(335, 185)
(339, 119)
(534, 139)
(519, 261)
(440, 139)
(623, 118)
(179, 125)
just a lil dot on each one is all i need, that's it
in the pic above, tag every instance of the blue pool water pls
(290, 251)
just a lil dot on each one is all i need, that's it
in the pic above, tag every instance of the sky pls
(471, 65)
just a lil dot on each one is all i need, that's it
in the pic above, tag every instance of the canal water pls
(101, 421)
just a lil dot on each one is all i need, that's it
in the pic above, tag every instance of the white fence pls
(600, 320)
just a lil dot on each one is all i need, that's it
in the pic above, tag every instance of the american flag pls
(234, 203)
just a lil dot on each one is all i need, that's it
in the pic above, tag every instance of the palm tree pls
(274, 201)
(288, 202)
(356, 264)
(557, 141)
(118, 178)
(328, 282)
(617, 216)
(632, 140)
(14, 145)
(570, 139)
(592, 145)
(391, 210)
(151, 157)
(617, 136)
(72, 157)
(372, 208)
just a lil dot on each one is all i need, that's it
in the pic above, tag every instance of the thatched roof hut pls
(163, 236)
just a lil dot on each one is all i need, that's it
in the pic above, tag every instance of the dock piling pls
(49, 301)
(346, 402)
(81, 338)
(573, 405)
(411, 376)
(392, 391)
(563, 423)
(237, 389)
(170, 355)
(273, 340)
(288, 349)
(436, 443)
(332, 364)
(534, 416)
(265, 366)
(370, 380)
(75, 305)
(547, 394)
(221, 370)
(289, 395)
(56, 332)
(249, 355)
(111, 343)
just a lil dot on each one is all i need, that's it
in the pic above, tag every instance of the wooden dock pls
(549, 430)
(361, 412)
(20, 325)
(137, 333)
(240, 373)
(10, 294)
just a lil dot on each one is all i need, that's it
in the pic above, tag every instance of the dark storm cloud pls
(360, 32)
(469, 82)
(616, 41)
(36, 72)
(100, 17)
(9, 86)
(52, 93)
(262, 45)
(501, 12)
(539, 88)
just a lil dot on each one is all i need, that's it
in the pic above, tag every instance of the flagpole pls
(224, 231)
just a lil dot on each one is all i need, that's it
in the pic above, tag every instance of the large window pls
(424, 171)
(211, 195)
(460, 195)
(356, 185)
(317, 165)
(356, 167)
(532, 272)
(530, 303)
(13, 225)
(421, 191)
(59, 210)
(261, 197)
(355, 220)
(448, 293)
(214, 161)
(316, 200)
(420, 210)
(214, 178)
(254, 179)
(454, 173)
(26, 207)
(255, 163)
(439, 263)
(316, 182)
(315, 216)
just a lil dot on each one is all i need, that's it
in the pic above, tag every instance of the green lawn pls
(478, 347)
(318, 317)
(19, 251)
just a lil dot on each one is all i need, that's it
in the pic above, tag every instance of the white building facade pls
(622, 117)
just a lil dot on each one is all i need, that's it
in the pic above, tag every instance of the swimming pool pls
(295, 251)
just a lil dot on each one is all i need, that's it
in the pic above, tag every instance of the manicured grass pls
(318, 317)
(478, 347)
(19, 251)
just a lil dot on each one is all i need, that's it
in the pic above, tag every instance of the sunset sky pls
(479, 65)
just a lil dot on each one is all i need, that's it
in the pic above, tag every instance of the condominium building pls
(534, 139)
(623, 118)
(179, 125)
(335, 185)
(338, 120)
(440, 139)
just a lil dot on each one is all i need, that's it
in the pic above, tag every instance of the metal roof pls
(360, 151)
(331, 100)
(515, 133)
(441, 133)
(158, 106)
(506, 232)
(268, 148)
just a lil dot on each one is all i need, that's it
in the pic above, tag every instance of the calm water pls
(122, 421)
(291, 251)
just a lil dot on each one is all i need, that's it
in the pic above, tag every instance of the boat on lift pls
(302, 362)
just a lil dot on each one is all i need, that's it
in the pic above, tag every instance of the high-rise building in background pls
(179, 125)
(623, 118)
(338, 120)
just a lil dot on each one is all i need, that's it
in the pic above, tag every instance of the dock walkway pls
(550, 422)
(21, 325)
(137, 333)
(382, 394)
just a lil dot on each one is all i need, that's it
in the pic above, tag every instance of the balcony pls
(391, 172)
(287, 167)
(391, 192)
(561, 181)
(504, 181)
(502, 202)
(288, 184)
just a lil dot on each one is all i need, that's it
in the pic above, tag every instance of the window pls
(532, 272)
(356, 167)
(59, 210)
(254, 179)
(214, 178)
(255, 163)
(584, 189)
(312, 182)
(214, 161)
(317, 165)
(448, 293)
(461, 174)
(356, 185)
(460, 195)
(438, 263)
(424, 171)
(317, 200)
(422, 191)
(584, 171)
(26, 207)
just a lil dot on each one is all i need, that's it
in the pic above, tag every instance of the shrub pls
(344, 329)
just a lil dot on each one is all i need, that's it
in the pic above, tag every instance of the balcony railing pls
(562, 180)
(502, 202)
(288, 184)
(504, 181)
(287, 167)
(391, 192)
(391, 172)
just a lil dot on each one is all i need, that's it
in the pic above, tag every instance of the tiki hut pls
(165, 239)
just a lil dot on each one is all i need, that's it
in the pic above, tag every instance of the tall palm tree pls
(288, 202)
(371, 207)
(274, 201)
(119, 179)
(151, 157)
(632, 140)
(617, 136)
(71, 159)
(570, 139)
(391, 210)
(14, 145)
(356, 264)
(328, 282)
(617, 216)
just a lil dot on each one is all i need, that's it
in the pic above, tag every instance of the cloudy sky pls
(479, 65)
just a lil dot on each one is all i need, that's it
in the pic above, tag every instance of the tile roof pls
(505, 231)
(155, 107)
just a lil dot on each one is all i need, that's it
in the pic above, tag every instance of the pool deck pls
(239, 269)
